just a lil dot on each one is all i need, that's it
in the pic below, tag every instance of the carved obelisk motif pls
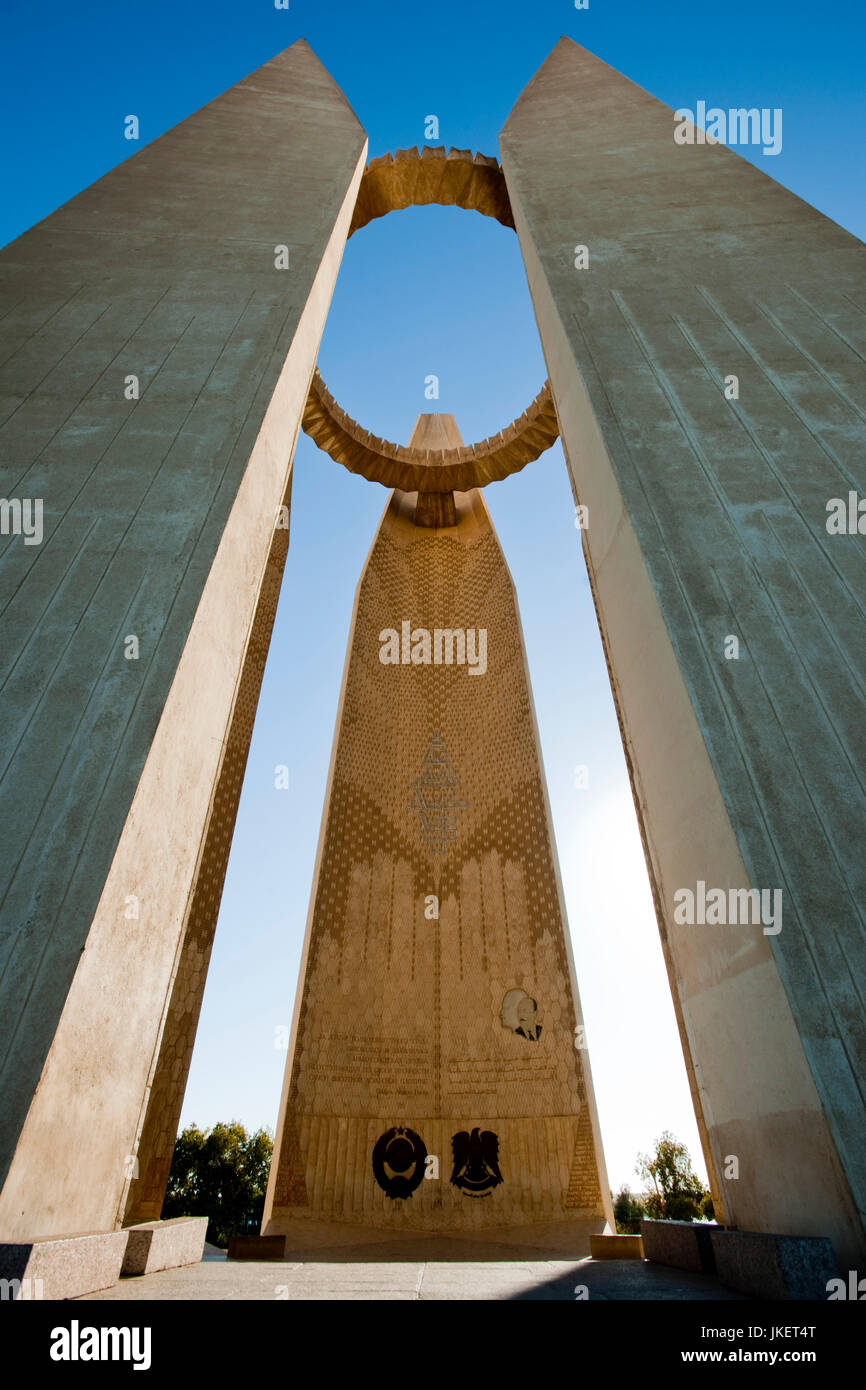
(436, 1080)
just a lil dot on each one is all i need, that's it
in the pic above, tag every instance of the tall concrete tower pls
(708, 521)
(161, 330)
(437, 1081)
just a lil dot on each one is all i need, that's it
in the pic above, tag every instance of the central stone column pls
(437, 1081)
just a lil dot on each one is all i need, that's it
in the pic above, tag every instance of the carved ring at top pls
(429, 470)
(411, 178)
(407, 179)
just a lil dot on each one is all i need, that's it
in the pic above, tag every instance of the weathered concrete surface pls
(66, 1267)
(778, 1267)
(707, 519)
(681, 1244)
(527, 1280)
(154, 1245)
(436, 907)
(159, 522)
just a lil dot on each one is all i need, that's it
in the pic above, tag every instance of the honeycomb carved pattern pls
(399, 1018)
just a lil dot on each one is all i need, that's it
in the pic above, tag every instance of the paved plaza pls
(411, 1281)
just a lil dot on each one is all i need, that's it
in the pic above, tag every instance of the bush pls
(220, 1173)
(627, 1211)
(678, 1194)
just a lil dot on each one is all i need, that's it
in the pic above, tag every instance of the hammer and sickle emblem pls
(399, 1158)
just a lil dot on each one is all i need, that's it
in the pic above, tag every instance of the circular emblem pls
(399, 1158)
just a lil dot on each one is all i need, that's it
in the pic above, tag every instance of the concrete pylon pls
(164, 329)
(437, 1082)
(704, 344)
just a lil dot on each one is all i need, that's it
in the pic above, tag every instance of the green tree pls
(222, 1174)
(627, 1212)
(677, 1193)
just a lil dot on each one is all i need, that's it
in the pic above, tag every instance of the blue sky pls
(431, 291)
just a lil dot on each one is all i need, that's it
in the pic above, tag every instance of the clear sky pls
(431, 291)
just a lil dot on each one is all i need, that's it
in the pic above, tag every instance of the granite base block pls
(61, 1266)
(777, 1267)
(154, 1245)
(680, 1244)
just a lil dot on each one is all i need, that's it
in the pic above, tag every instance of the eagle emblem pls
(476, 1161)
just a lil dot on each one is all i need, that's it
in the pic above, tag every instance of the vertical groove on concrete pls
(709, 268)
(165, 269)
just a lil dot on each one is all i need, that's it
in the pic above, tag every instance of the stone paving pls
(410, 1281)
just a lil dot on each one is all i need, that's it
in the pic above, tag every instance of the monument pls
(437, 1080)
(162, 333)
